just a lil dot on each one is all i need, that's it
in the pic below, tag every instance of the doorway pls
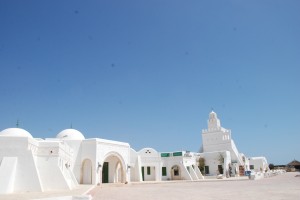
(105, 172)
(113, 170)
(86, 172)
(175, 173)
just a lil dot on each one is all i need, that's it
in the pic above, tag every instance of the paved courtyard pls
(281, 187)
(40, 195)
(285, 187)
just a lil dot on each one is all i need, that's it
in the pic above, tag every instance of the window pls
(165, 154)
(177, 153)
(164, 171)
(251, 166)
(148, 171)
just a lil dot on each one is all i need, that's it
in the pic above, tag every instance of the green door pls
(105, 173)
(206, 170)
(143, 175)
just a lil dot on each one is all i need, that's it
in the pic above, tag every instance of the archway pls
(175, 173)
(86, 172)
(113, 169)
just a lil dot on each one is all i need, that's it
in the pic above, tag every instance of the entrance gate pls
(113, 169)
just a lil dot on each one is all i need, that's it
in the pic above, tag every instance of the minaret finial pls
(71, 125)
(17, 124)
(212, 109)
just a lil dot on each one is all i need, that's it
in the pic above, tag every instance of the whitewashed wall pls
(26, 174)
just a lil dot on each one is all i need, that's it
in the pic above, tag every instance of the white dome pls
(70, 134)
(15, 132)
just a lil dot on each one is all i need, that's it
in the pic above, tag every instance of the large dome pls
(15, 132)
(70, 134)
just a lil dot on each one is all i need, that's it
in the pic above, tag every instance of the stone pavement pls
(281, 187)
(285, 186)
(81, 189)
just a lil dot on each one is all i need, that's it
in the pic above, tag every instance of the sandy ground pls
(284, 187)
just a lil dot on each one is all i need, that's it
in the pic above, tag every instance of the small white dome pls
(15, 132)
(70, 134)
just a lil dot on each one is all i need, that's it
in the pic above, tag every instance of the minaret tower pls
(215, 137)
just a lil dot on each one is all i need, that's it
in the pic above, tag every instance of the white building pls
(219, 150)
(258, 164)
(31, 164)
(150, 165)
(69, 159)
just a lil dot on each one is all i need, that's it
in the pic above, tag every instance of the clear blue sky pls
(149, 72)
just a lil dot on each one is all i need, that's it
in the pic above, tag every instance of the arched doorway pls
(113, 169)
(86, 172)
(175, 173)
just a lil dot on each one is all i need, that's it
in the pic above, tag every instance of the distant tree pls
(271, 166)
(221, 158)
(202, 165)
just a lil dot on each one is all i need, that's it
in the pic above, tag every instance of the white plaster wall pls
(217, 147)
(246, 163)
(227, 163)
(260, 164)
(76, 163)
(27, 177)
(169, 162)
(212, 160)
(152, 175)
(133, 156)
(52, 176)
(151, 158)
(53, 161)
(88, 151)
(105, 147)
(135, 166)
(155, 167)
(235, 169)
(215, 138)
(8, 167)
(219, 139)
(183, 162)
